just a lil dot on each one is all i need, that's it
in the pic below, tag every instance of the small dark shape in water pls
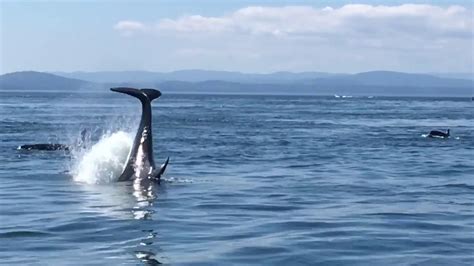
(54, 146)
(439, 134)
(44, 147)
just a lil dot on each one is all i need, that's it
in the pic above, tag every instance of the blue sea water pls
(253, 180)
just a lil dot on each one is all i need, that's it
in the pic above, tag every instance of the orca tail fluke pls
(143, 95)
(151, 93)
(132, 92)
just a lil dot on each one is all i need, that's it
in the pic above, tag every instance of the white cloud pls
(195, 23)
(350, 38)
(361, 20)
(128, 27)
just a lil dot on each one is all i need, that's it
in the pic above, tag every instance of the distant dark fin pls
(143, 95)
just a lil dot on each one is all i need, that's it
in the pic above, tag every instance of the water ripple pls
(253, 180)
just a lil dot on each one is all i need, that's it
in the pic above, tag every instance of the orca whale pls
(439, 134)
(140, 164)
(55, 146)
(44, 147)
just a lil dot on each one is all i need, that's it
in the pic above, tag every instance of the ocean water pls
(252, 180)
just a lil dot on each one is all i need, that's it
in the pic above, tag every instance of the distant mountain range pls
(202, 81)
(469, 76)
(194, 76)
(31, 80)
(272, 78)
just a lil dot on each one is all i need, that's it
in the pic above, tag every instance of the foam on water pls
(104, 161)
(438, 137)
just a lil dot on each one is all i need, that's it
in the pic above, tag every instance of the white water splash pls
(104, 161)
(438, 137)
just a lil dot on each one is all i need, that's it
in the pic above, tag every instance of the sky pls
(246, 36)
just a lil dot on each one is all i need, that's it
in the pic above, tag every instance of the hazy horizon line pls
(232, 71)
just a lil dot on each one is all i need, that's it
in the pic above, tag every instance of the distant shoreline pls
(375, 83)
(355, 96)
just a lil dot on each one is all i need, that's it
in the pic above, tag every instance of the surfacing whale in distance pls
(44, 147)
(55, 146)
(140, 163)
(439, 134)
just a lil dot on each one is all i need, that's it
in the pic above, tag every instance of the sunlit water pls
(276, 180)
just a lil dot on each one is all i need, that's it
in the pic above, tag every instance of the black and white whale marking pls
(439, 134)
(140, 164)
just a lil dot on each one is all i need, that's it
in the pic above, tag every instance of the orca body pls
(55, 146)
(44, 147)
(140, 163)
(439, 134)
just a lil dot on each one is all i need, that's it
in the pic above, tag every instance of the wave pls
(455, 185)
(15, 234)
